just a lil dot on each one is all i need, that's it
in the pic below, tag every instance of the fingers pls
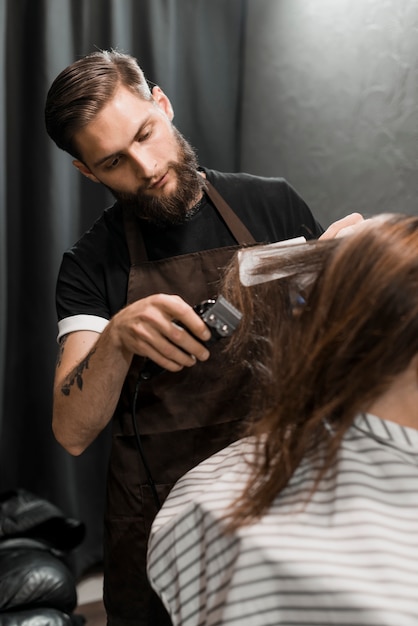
(161, 327)
(171, 346)
(343, 226)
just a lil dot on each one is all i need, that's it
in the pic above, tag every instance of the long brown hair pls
(82, 89)
(322, 343)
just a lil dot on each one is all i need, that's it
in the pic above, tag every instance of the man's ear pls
(85, 170)
(163, 102)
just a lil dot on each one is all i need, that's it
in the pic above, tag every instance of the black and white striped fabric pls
(348, 557)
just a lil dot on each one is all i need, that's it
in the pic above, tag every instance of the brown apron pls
(182, 418)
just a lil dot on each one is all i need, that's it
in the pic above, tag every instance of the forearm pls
(90, 372)
(85, 398)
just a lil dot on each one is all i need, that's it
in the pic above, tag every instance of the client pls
(312, 517)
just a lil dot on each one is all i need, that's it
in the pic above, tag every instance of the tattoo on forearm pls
(61, 349)
(76, 376)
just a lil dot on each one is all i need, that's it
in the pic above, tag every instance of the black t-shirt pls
(93, 276)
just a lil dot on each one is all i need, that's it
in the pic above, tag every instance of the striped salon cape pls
(349, 557)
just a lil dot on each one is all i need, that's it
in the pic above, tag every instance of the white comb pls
(249, 259)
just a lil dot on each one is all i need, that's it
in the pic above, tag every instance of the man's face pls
(132, 148)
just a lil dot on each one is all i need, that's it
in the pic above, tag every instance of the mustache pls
(150, 182)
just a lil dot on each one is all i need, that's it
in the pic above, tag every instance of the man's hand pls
(148, 328)
(344, 226)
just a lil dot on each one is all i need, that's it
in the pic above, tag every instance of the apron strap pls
(135, 241)
(237, 228)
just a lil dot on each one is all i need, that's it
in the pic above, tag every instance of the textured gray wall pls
(331, 102)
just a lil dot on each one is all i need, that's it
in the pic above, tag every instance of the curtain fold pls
(3, 216)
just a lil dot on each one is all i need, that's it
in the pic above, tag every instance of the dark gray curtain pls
(191, 48)
(324, 93)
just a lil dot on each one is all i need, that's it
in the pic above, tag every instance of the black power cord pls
(150, 479)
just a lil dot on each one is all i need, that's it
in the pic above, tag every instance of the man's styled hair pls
(82, 89)
(324, 342)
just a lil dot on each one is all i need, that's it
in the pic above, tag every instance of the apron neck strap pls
(240, 232)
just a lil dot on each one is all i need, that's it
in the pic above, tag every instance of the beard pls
(173, 208)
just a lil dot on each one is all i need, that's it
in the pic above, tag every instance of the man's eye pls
(114, 163)
(144, 136)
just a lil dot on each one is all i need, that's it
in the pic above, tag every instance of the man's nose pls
(143, 161)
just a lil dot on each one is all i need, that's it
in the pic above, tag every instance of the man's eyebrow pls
(113, 155)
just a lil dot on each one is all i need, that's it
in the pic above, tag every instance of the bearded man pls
(125, 296)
